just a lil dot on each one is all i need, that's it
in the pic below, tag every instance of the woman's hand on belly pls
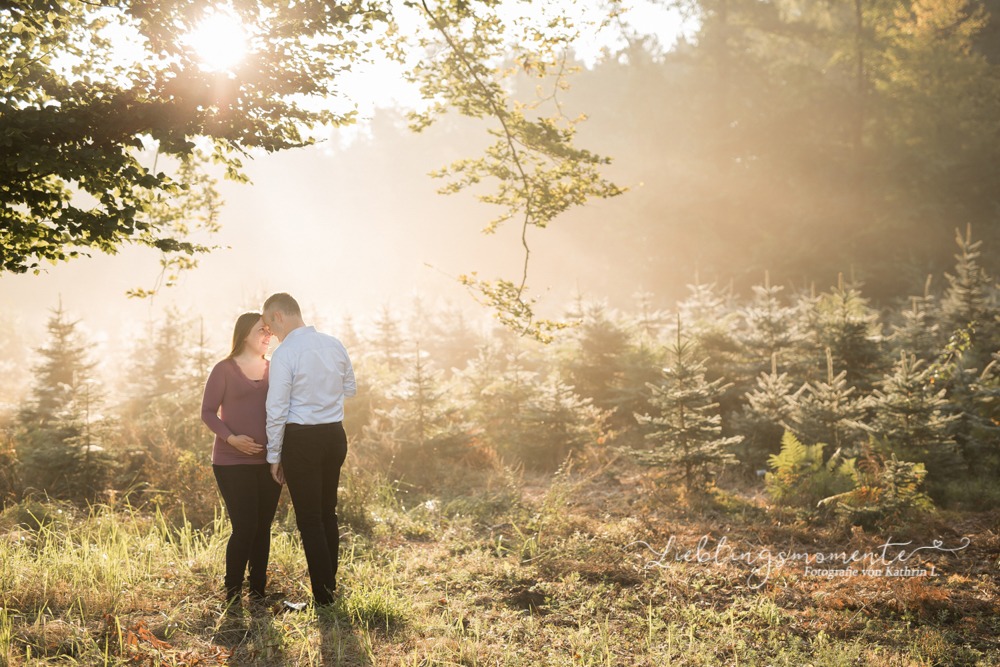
(245, 444)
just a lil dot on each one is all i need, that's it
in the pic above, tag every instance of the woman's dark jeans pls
(251, 496)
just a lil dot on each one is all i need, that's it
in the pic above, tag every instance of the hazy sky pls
(340, 234)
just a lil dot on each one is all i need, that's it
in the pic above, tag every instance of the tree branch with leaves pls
(474, 57)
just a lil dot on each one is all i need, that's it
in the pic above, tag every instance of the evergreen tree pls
(422, 395)
(826, 412)
(10, 484)
(169, 356)
(200, 358)
(640, 367)
(538, 420)
(456, 341)
(577, 308)
(428, 427)
(970, 394)
(610, 366)
(93, 465)
(979, 421)
(388, 339)
(970, 302)
(478, 381)
(770, 327)
(163, 363)
(596, 358)
(920, 331)
(556, 422)
(348, 335)
(809, 320)
(497, 390)
(763, 419)
(686, 433)
(138, 377)
(61, 451)
(911, 418)
(64, 367)
(421, 324)
(648, 321)
(705, 309)
(849, 329)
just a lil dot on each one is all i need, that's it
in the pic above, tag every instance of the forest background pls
(802, 143)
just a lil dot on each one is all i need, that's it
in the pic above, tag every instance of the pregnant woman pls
(238, 385)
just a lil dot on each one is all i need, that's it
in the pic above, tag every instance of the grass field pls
(527, 571)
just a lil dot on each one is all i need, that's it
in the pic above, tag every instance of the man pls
(310, 376)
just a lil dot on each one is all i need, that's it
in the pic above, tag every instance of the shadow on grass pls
(341, 643)
(323, 637)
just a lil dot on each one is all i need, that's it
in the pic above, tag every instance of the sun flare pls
(220, 41)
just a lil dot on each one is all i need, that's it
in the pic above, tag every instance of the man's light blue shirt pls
(309, 377)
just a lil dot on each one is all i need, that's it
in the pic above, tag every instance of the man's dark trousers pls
(311, 458)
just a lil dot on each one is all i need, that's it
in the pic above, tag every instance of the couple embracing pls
(279, 423)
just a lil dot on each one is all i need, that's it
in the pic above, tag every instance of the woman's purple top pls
(243, 412)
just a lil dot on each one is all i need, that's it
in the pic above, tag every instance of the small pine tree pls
(826, 412)
(497, 388)
(388, 339)
(770, 327)
(161, 363)
(555, 423)
(60, 452)
(169, 366)
(64, 367)
(427, 426)
(705, 310)
(457, 341)
(968, 392)
(763, 420)
(421, 324)
(920, 331)
(970, 302)
(849, 329)
(687, 433)
(200, 358)
(537, 420)
(647, 321)
(910, 418)
(348, 335)
(94, 464)
(886, 493)
(595, 360)
(979, 421)
(10, 483)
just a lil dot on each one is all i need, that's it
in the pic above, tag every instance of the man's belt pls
(291, 428)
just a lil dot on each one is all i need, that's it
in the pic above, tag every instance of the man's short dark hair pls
(282, 302)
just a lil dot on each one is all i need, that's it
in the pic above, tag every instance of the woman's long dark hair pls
(244, 325)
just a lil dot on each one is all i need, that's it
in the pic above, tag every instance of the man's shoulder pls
(318, 338)
(307, 340)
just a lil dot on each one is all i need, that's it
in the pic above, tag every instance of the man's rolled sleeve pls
(279, 391)
(350, 385)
